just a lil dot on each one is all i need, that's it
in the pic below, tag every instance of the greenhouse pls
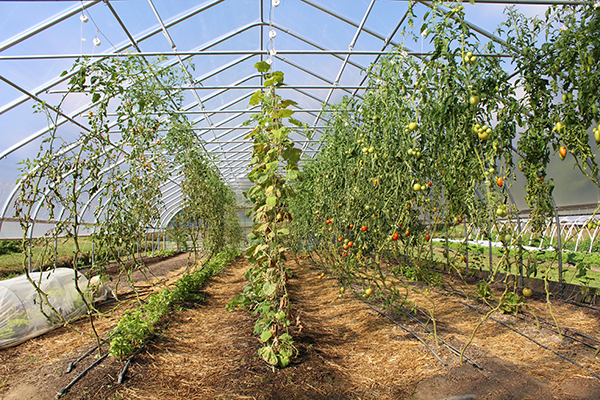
(311, 199)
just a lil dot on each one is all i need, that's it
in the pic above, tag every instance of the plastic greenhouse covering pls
(25, 315)
(323, 47)
(383, 141)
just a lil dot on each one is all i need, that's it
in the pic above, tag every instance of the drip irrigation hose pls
(535, 341)
(409, 331)
(463, 295)
(448, 345)
(64, 390)
(576, 303)
(565, 329)
(73, 363)
(126, 367)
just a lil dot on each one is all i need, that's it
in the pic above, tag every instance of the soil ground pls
(346, 351)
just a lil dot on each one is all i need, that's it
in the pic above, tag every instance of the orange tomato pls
(562, 151)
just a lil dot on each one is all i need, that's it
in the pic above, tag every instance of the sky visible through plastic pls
(298, 25)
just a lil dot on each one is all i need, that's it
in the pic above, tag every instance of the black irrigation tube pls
(409, 331)
(533, 340)
(126, 367)
(463, 295)
(64, 390)
(73, 363)
(576, 303)
(530, 338)
(448, 345)
(544, 321)
(528, 318)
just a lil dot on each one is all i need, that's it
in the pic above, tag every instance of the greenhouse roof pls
(322, 47)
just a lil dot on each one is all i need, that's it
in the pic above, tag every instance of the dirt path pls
(346, 351)
(36, 369)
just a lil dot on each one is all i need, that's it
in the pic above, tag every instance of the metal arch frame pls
(141, 38)
(216, 142)
(74, 145)
(351, 47)
(83, 109)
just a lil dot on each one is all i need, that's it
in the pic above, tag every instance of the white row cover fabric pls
(22, 308)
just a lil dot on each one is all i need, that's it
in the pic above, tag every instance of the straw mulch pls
(346, 351)
(36, 369)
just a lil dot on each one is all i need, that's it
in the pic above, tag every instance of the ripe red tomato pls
(364, 228)
(344, 254)
(350, 244)
(500, 181)
(300, 257)
(407, 234)
(351, 226)
(340, 239)
(395, 236)
(328, 221)
(427, 237)
(430, 183)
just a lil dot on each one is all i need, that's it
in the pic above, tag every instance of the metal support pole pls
(559, 249)
(29, 257)
(447, 248)
(520, 234)
(491, 254)
(467, 247)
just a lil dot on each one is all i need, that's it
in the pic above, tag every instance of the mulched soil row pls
(346, 351)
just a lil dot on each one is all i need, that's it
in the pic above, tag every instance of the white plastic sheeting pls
(23, 313)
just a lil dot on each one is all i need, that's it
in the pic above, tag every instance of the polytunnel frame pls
(360, 28)
(163, 28)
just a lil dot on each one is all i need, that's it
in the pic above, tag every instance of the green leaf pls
(283, 231)
(269, 82)
(287, 103)
(284, 113)
(266, 335)
(292, 174)
(271, 201)
(292, 154)
(277, 77)
(262, 66)
(95, 97)
(268, 355)
(269, 288)
(255, 99)
(64, 73)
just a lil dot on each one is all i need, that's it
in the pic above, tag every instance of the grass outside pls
(539, 263)
(12, 264)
